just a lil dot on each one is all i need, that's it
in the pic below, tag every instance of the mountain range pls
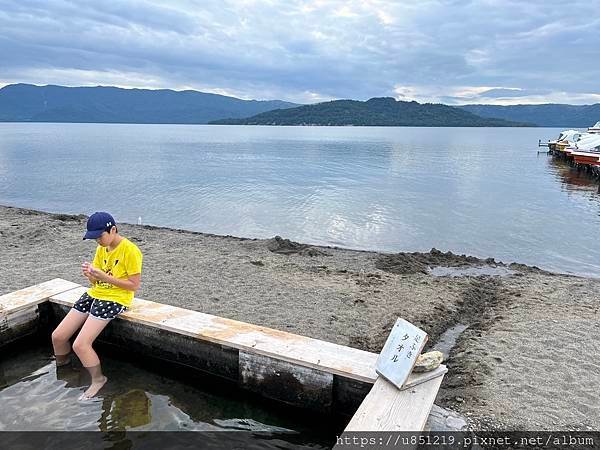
(384, 111)
(547, 115)
(29, 103)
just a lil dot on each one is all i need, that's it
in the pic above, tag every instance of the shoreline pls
(453, 257)
(525, 329)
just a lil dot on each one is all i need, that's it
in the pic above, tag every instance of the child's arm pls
(132, 283)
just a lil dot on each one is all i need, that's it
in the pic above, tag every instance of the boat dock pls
(588, 162)
(580, 150)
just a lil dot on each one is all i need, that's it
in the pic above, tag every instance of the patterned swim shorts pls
(100, 309)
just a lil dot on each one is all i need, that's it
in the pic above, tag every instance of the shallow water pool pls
(36, 395)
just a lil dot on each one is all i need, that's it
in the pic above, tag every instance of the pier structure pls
(583, 161)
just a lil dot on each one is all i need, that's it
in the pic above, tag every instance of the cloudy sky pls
(449, 51)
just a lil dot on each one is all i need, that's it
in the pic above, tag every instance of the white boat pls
(586, 150)
(595, 128)
(588, 142)
(565, 139)
(589, 158)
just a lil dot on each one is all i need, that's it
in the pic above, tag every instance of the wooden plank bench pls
(19, 314)
(300, 350)
(392, 405)
(31, 296)
(388, 409)
(384, 408)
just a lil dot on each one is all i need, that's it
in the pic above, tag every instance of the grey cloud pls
(258, 49)
(119, 13)
(504, 93)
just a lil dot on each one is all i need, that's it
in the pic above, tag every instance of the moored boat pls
(564, 139)
(586, 150)
(595, 128)
(589, 158)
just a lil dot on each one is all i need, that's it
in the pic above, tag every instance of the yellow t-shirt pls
(122, 262)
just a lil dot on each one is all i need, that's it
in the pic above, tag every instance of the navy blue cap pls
(98, 223)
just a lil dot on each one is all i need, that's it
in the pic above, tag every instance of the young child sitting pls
(114, 276)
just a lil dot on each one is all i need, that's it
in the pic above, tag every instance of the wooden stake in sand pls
(400, 352)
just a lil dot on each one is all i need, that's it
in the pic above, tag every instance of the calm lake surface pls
(480, 191)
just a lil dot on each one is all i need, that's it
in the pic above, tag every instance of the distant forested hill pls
(549, 115)
(28, 103)
(374, 112)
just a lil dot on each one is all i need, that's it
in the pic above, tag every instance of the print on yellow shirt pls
(122, 262)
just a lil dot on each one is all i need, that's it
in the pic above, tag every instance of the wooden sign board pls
(400, 352)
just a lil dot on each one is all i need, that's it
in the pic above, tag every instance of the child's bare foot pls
(94, 388)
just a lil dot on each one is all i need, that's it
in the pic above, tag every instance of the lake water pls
(480, 191)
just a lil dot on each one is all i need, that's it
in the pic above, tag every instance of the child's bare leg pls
(88, 357)
(63, 332)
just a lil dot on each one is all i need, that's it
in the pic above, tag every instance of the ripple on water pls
(38, 396)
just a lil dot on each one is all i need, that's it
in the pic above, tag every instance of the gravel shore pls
(527, 360)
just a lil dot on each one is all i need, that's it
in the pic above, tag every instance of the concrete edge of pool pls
(297, 370)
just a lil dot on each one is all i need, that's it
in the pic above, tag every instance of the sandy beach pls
(528, 359)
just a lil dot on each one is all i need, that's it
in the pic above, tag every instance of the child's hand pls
(91, 272)
(96, 273)
(85, 268)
